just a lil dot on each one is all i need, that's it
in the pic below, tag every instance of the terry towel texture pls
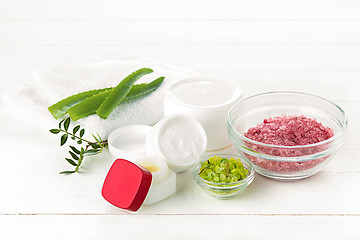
(53, 84)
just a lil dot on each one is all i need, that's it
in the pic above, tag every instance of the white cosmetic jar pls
(179, 139)
(163, 183)
(207, 99)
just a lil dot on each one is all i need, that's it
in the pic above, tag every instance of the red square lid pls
(126, 185)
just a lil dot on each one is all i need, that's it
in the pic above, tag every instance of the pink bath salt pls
(288, 131)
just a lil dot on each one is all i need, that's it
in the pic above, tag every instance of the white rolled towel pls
(53, 84)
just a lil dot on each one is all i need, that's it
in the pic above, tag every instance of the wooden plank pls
(179, 227)
(181, 32)
(227, 58)
(187, 9)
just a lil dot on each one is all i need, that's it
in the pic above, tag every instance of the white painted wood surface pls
(311, 46)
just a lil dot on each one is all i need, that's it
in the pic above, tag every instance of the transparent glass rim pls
(343, 127)
(221, 185)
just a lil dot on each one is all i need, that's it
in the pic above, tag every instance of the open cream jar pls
(207, 99)
(163, 183)
(179, 139)
(130, 185)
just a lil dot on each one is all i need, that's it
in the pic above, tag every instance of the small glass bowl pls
(223, 190)
(286, 162)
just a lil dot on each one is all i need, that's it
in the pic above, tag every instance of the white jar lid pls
(179, 139)
(128, 142)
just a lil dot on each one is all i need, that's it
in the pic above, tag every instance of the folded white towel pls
(55, 83)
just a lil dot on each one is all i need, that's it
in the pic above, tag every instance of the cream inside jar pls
(179, 139)
(156, 165)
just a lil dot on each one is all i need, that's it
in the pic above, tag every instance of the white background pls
(264, 45)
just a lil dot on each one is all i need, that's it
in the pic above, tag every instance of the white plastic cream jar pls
(207, 99)
(163, 183)
(179, 139)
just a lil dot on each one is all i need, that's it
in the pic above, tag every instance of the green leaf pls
(71, 162)
(94, 145)
(99, 137)
(73, 155)
(60, 108)
(143, 89)
(75, 150)
(96, 139)
(66, 172)
(91, 152)
(67, 124)
(63, 139)
(100, 142)
(61, 123)
(55, 131)
(76, 129)
(119, 92)
(78, 154)
(73, 138)
(91, 104)
(88, 106)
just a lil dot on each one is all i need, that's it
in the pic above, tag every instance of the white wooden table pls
(265, 45)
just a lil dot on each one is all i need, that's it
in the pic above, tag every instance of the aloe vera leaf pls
(119, 92)
(88, 106)
(91, 104)
(60, 108)
(143, 89)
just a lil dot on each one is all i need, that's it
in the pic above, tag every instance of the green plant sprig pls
(87, 148)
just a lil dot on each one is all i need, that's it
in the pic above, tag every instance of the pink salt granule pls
(288, 131)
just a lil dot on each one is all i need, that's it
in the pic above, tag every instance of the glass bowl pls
(286, 162)
(223, 190)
